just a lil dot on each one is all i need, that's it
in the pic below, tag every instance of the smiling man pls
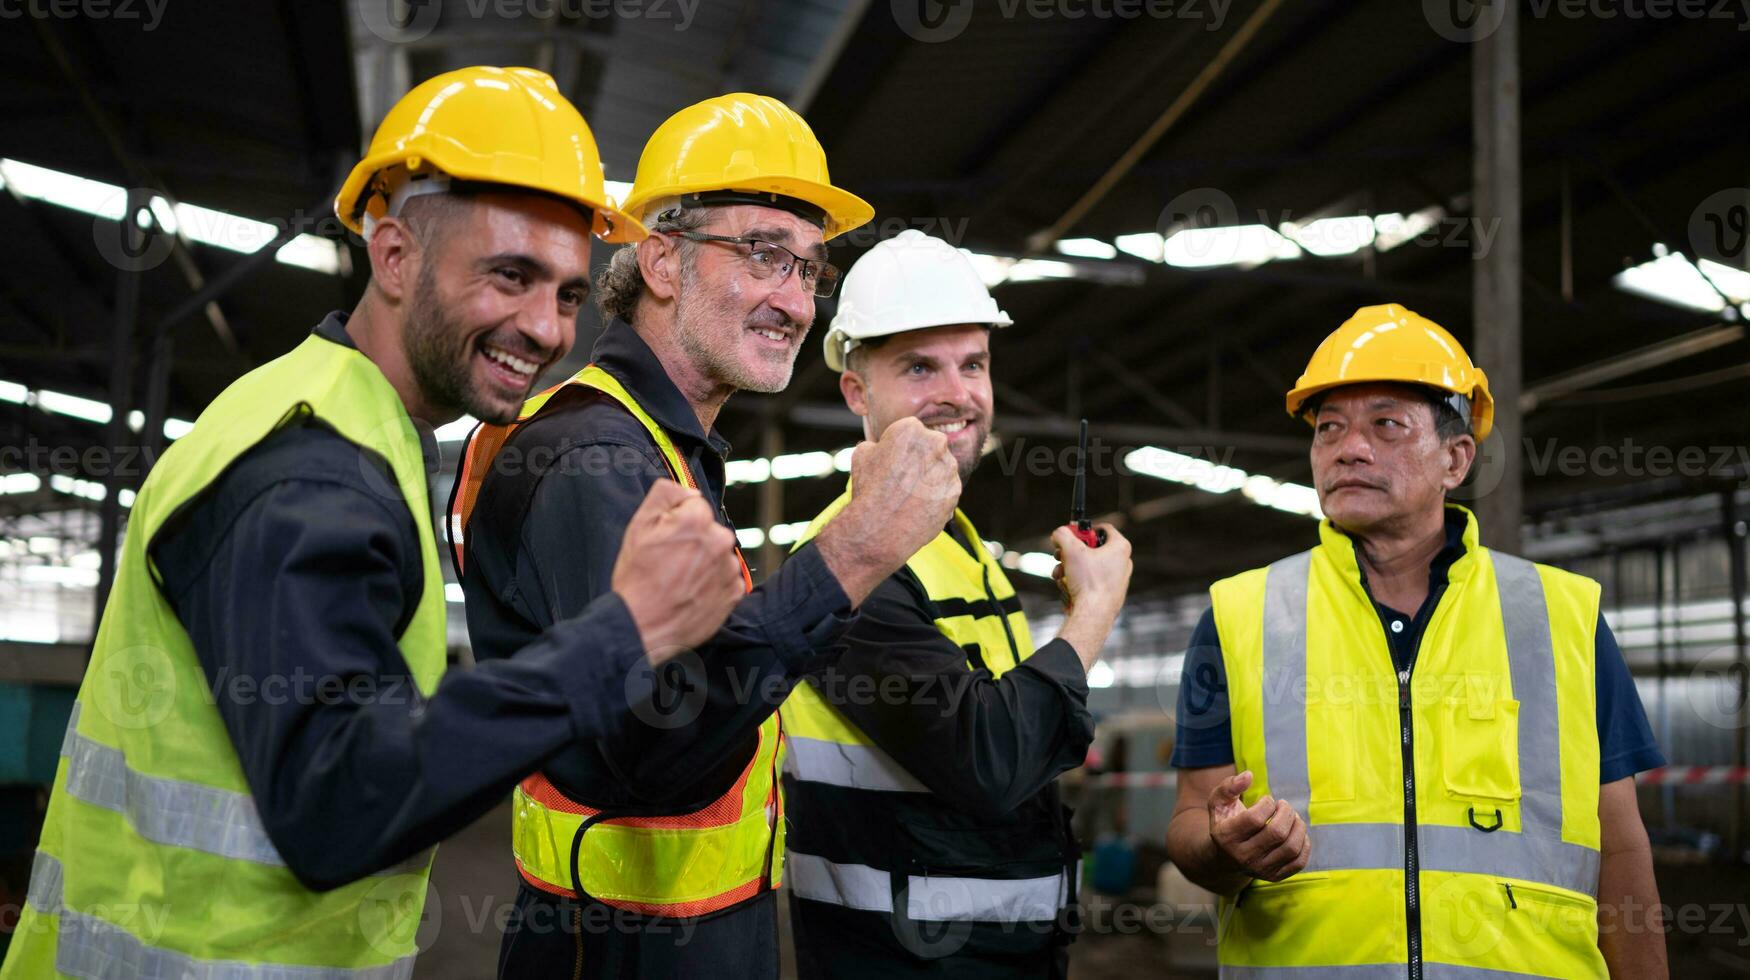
(657, 853)
(263, 754)
(928, 839)
(1401, 750)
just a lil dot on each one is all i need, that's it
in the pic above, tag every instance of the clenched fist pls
(677, 571)
(903, 490)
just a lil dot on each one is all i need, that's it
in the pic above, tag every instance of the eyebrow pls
(536, 268)
(782, 236)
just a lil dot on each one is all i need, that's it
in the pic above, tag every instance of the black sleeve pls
(986, 745)
(292, 578)
(679, 745)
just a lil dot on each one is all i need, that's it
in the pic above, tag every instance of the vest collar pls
(621, 352)
(1459, 556)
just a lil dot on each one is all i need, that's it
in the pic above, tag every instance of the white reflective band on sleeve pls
(97, 949)
(175, 812)
(168, 811)
(853, 766)
(928, 899)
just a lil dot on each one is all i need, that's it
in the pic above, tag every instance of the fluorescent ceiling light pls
(1392, 230)
(73, 406)
(1145, 245)
(220, 229)
(1674, 280)
(787, 534)
(1192, 471)
(1329, 237)
(788, 467)
(84, 409)
(1087, 248)
(20, 483)
(1242, 245)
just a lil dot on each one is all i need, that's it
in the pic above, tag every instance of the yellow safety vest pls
(939, 867)
(676, 865)
(1453, 809)
(153, 860)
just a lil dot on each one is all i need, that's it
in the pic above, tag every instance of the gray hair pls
(619, 284)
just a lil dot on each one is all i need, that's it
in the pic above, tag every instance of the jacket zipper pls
(1412, 878)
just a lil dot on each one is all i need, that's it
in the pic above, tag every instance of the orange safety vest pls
(677, 865)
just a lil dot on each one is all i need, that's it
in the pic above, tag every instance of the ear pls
(1460, 453)
(856, 392)
(660, 265)
(395, 258)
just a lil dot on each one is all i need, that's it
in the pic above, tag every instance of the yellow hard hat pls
(748, 149)
(1390, 343)
(507, 126)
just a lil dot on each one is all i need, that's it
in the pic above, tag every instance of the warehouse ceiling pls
(987, 125)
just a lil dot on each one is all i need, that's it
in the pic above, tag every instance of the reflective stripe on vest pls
(152, 859)
(1536, 852)
(1504, 740)
(929, 898)
(678, 865)
(94, 947)
(175, 812)
(974, 608)
(852, 765)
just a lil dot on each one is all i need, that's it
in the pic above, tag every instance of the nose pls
(1354, 448)
(547, 328)
(794, 300)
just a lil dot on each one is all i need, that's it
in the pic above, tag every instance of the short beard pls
(698, 325)
(967, 466)
(437, 349)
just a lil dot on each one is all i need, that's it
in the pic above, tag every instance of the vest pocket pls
(1479, 749)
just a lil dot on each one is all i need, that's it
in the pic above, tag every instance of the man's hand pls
(1094, 582)
(1266, 840)
(1092, 577)
(677, 571)
(903, 490)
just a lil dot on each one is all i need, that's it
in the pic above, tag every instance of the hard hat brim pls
(1482, 404)
(609, 223)
(844, 211)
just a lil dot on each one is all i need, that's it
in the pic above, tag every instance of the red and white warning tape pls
(1694, 775)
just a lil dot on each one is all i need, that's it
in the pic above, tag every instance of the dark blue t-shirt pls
(1625, 740)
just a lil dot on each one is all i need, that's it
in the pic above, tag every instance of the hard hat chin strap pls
(416, 185)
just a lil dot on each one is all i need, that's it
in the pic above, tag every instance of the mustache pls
(771, 319)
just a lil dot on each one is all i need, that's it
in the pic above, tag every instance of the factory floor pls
(474, 886)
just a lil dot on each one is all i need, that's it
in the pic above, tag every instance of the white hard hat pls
(908, 282)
